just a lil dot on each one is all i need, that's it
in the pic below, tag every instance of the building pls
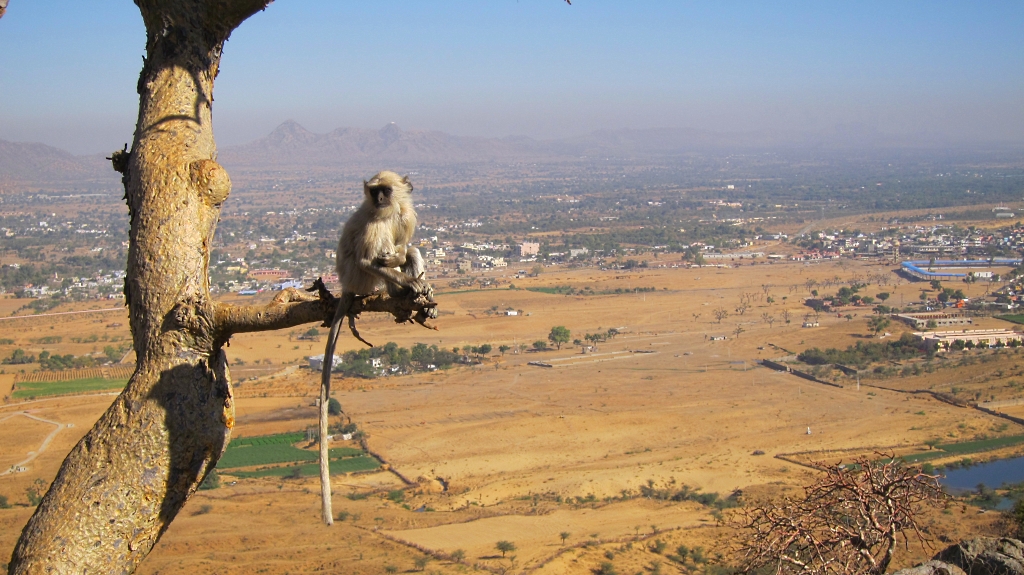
(942, 269)
(316, 362)
(527, 249)
(274, 274)
(945, 340)
(934, 318)
(290, 283)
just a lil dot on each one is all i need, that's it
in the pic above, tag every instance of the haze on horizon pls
(930, 72)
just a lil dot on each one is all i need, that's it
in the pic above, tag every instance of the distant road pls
(62, 313)
(46, 442)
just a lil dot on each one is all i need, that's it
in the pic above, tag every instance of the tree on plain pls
(505, 547)
(559, 335)
(720, 314)
(878, 324)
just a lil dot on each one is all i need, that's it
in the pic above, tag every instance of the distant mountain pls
(292, 145)
(26, 162)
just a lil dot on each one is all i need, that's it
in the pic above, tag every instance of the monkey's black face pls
(381, 197)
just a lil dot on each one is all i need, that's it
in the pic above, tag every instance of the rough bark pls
(126, 480)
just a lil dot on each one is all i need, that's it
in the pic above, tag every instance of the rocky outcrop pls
(986, 556)
(932, 568)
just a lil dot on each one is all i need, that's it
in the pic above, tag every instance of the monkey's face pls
(380, 196)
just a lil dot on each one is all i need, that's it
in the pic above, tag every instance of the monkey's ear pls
(405, 180)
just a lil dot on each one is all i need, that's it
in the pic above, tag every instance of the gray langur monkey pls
(373, 253)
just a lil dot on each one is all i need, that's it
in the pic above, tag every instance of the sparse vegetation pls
(863, 354)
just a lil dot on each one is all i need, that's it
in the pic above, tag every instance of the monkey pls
(373, 253)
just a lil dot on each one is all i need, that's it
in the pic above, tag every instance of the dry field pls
(522, 447)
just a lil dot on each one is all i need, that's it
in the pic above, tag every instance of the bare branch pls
(848, 522)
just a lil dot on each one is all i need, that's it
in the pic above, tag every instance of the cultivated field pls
(504, 450)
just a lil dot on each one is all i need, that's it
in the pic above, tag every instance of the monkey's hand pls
(389, 260)
(420, 286)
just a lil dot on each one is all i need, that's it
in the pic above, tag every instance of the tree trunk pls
(126, 480)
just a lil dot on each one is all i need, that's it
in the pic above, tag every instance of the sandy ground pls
(661, 403)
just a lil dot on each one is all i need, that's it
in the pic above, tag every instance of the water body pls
(992, 474)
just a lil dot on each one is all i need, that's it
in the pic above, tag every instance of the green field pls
(28, 389)
(347, 465)
(277, 449)
(285, 438)
(1015, 318)
(965, 448)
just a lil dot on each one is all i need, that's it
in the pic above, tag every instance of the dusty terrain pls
(522, 447)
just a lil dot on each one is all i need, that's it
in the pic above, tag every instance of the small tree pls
(720, 314)
(878, 324)
(848, 522)
(505, 547)
(458, 556)
(564, 535)
(559, 335)
(421, 562)
(35, 492)
(333, 406)
(503, 348)
(540, 345)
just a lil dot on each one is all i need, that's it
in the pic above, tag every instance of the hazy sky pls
(538, 67)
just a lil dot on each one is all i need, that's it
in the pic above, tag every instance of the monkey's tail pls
(325, 398)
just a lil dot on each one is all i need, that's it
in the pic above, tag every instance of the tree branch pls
(231, 13)
(292, 307)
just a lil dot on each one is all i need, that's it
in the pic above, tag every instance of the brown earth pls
(518, 444)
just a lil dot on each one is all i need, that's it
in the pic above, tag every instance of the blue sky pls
(538, 67)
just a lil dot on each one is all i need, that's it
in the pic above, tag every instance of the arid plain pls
(504, 450)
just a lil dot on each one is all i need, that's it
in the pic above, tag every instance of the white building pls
(316, 362)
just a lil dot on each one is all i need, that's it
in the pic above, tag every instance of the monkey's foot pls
(405, 307)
